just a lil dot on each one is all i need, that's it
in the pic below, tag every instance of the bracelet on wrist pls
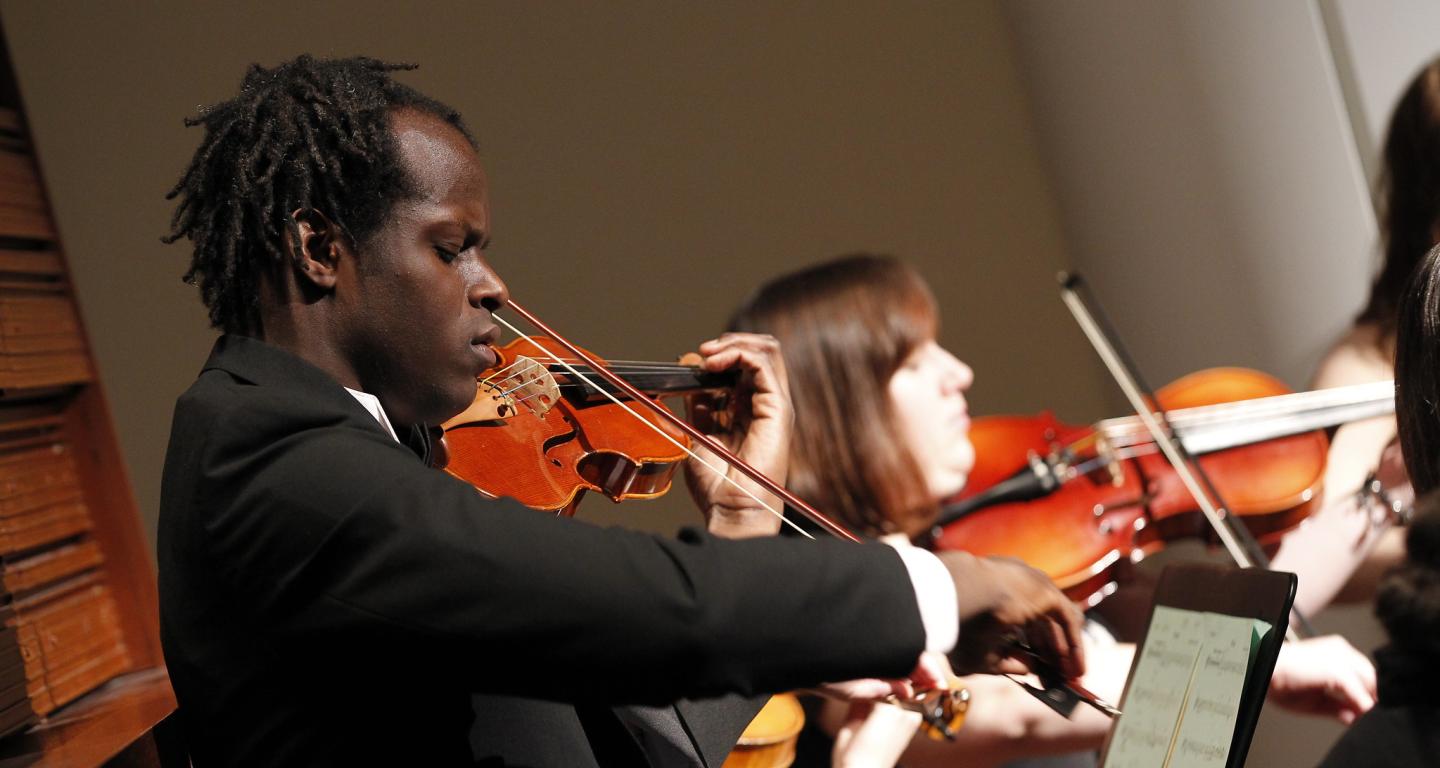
(1385, 508)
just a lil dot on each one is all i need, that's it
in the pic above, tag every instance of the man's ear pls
(316, 256)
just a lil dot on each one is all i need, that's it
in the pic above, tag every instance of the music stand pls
(1254, 593)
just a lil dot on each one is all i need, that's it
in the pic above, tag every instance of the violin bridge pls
(532, 385)
(527, 384)
(1106, 451)
(490, 404)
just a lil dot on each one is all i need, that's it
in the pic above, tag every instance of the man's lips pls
(483, 343)
(486, 353)
(487, 337)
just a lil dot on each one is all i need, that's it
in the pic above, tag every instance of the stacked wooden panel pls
(79, 628)
(40, 342)
(62, 635)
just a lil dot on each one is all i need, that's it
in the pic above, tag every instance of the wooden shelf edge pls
(97, 726)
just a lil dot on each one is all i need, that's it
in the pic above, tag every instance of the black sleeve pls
(336, 538)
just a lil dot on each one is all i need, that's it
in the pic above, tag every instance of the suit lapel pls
(714, 725)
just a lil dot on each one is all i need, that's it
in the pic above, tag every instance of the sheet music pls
(1183, 698)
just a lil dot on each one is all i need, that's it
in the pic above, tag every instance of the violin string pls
(719, 473)
(521, 384)
(502, 383)
(632, 370)
(582, 388)
(658, 368)
(497, 372)
(518, 375)
(529, 397)
(1223, 415)
(616, 365)
(571, 387)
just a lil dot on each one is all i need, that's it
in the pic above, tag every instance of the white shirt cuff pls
(935, 594)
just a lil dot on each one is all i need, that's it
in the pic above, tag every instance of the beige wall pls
(1210, 185)
(649, 166)
(1208, 179)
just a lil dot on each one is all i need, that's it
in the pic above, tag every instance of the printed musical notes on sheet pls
(1183, 697)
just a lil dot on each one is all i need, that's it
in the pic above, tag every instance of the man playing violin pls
(327, 598)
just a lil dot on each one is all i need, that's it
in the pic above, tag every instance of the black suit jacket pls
(328, 599)
(688, 734)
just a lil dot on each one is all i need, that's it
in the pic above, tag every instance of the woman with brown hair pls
(1345, 549)
(880, 437)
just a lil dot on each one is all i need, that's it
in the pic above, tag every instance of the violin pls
(1075, 501)
(555, 456)
(769, 740)
(531, 401)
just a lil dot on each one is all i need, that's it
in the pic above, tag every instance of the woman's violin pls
(1074, 501)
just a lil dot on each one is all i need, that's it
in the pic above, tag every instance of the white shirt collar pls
(372, 404)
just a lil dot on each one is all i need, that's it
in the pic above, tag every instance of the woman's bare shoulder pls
(1361, 355)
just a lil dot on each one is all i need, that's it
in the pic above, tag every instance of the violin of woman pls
(1081, 502)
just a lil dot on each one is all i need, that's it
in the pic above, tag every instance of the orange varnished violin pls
(769, 740)
(556, 437)
(1074, 501)
(552, 420)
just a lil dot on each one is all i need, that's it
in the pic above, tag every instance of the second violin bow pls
(1235, 538)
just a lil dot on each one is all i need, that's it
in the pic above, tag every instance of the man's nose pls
(488, 291)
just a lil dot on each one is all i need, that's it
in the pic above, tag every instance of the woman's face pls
(927, 395)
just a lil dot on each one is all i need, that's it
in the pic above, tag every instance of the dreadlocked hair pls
(307, 134)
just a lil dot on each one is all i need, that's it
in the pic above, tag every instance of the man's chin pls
(455, 402)
(432, 411)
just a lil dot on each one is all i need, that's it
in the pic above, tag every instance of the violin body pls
(547, 457)
(1131, 505)
(1075, 535)
(769, 740)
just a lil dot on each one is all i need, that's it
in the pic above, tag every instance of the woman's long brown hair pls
(845, 326)
(1409, 196)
